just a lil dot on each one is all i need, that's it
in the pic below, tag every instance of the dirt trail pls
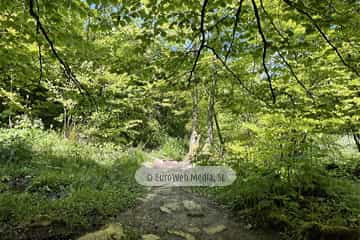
(177, 213)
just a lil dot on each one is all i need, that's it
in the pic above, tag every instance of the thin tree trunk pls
(195, 137)
(211, 92)
(10, 122)
(357, 140)
(213, 118)
(11, 91)
(210, 115)
(221, 139)
(65, 122)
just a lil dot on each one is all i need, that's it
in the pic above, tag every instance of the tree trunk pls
(357, 140)
(211, 91)
(65, 122)
(221, 139)
(195, 137)
(210, 115)
(213, 119)
(11, 91)
(10, 122)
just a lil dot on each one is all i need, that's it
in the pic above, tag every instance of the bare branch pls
(203, 39)
(40, 63)
(265, 46)
(271, 21)
(39, 43)
(323, 35)
(288, 65)
(68, 72)
(227, 67)
(237, 18)
(308, 92)
(235, 76)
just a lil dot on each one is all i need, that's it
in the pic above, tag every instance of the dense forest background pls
(270, 88)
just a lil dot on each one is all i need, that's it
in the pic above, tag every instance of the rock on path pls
(174, 213)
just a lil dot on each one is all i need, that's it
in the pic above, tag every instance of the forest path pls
(177, 213)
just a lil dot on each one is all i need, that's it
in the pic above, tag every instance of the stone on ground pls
(112, 231)
(191, 205)
(165, 210)
(193, 230)
(248, 226)
(150, 237)
(186, 236)
(194, 209)
(41, 221)
(170, 207)
(214, 229)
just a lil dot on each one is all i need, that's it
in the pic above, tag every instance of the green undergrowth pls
(47, 182)
(170, 149)
(317, 201)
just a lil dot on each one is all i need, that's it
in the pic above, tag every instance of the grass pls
(316, 204)
(48, 181)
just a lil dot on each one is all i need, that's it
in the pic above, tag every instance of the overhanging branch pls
(265, 46)
(288, 65)
(202, 41)
(237, 18)
(39, 44)
(67, 70)
(235, 76)
(323, 35)
(271, 21)
(294, 75)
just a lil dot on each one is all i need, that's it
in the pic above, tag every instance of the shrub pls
(172, 148)
(15, 145)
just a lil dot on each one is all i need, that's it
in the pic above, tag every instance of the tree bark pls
(357, 140)
(210, 114)
(195, 136)
(11, 91)
(221, 139)
(65, 122)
